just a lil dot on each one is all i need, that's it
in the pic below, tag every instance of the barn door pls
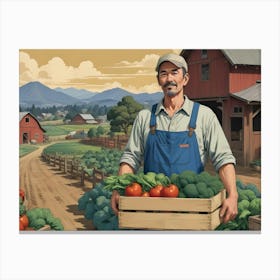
(25, 138)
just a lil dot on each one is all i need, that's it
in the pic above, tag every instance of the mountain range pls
(42, 96)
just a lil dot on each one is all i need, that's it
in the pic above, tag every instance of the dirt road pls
(47, 187)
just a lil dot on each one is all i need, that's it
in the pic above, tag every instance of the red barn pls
(228, 81)
(29, 129)
(83, 119)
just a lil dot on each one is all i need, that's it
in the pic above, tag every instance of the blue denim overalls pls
(172, 152)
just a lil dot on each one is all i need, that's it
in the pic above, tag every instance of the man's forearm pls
(227, 175)
(125, 168)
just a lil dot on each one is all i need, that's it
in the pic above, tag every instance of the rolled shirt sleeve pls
(134, 150)
(215, 142)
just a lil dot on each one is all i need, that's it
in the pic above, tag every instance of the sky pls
(95, 70)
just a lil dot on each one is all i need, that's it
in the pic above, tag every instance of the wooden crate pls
(254, 222)
(160, 213)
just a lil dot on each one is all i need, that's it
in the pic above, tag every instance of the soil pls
(47, 187)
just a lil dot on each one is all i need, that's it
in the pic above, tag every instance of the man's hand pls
(229, 209)
(115, 202)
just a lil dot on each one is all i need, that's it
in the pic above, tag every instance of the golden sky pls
(94, 70)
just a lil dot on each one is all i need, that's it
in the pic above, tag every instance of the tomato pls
(21, 226)
(22, 194)
(134, 189)
(145, 194)
(170, 191)
(155, 191)
(24, 220)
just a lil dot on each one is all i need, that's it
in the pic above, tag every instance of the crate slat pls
(254, 222)
(169, 221)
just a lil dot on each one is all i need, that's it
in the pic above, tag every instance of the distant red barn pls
(30, 129)
(83, 119)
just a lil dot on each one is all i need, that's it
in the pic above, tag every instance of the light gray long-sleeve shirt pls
(211, 139)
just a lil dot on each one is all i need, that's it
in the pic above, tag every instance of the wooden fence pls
(72, 166)
(117, 142)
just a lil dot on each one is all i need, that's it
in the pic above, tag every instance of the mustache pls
(170, 84)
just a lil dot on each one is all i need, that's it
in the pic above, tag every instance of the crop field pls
(56, 130)
(25, 149)
(73, 148)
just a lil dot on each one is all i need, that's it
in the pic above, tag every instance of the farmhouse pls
(228, 81)
(83, 119)
(30, 129)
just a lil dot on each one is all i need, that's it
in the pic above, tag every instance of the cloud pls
(148, 61)
(55, 71)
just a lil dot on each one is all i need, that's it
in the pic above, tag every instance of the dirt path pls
(47, 187)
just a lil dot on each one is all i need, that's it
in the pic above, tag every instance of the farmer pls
(178, 134)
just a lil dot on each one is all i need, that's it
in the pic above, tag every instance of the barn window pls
(203, 53)
(205, 72)
(27, 120)
(237, 109)
(36, 135)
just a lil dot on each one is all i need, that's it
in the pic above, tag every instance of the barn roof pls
(243, 56)
(87, 116)
(23, 114)
(237, 56)
(249, 95)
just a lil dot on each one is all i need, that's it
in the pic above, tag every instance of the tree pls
(92, 132)
(100, 130)
(123, 115)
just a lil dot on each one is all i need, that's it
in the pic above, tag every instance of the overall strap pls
(153, 119)
(192, 123)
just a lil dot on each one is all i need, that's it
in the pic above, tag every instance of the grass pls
(64, 129)
(72, 148)
(25, 149)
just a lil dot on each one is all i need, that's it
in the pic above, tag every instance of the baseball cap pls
(176, 59)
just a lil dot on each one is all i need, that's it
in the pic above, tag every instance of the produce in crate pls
(190, 185)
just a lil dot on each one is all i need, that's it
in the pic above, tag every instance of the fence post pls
(82, 177)
(72, 168)
(65, 165)
(59, 163)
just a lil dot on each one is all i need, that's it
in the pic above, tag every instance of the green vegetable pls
(202, 189)
(255, 206)
(38, 223)
(190, 190)
(189, 175)
(243, 205)
(101, 202)
(162, 179)
(39, 217)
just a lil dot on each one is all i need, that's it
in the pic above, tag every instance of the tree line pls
(71, 110)
(121, 116)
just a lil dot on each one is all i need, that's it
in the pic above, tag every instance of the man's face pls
(171, 79)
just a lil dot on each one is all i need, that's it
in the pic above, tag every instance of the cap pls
(176, 59)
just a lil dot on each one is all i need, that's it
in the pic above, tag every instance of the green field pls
(25, 149)
(57, 130)
(72, 148)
